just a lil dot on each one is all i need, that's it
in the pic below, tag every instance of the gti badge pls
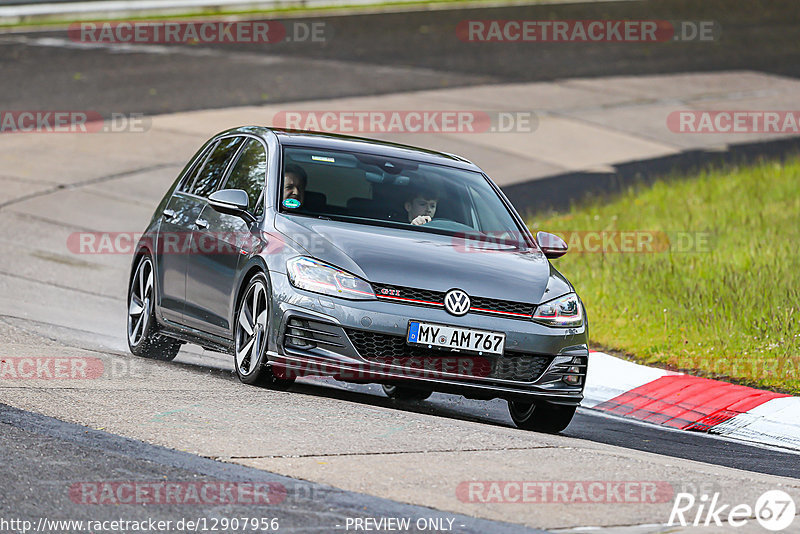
(456, 302)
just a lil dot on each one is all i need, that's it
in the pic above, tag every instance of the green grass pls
(728, 310)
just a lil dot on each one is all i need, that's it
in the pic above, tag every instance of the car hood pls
(422, 260)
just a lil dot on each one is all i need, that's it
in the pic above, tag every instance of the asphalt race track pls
(336, 451)
(374, 54)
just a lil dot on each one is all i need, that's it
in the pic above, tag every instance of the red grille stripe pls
(410, 300)
(503, 312)
(440, 304)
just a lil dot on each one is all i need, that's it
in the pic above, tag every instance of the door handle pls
(201, 223)
(168, 214)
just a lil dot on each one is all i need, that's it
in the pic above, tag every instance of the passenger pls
(421, 205)
(294, 182)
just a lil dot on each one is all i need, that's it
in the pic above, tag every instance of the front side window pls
(250, 173)
(370, 189)
(212, 172)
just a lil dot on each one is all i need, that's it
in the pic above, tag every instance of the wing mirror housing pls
(232, 202)
(552, 245)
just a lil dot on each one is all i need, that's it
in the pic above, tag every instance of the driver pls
(421, 205)
(294, 182)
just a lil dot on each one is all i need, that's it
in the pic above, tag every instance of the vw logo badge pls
(456, 302)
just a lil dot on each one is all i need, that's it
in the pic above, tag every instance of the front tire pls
(405, 393)
(143, 337)
(251, 331)
(541, 416)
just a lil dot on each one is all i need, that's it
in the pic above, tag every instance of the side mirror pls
(231, 201)
(552, 245)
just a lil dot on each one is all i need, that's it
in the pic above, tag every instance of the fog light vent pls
(573, 380)
(298, 335)
(311, 334)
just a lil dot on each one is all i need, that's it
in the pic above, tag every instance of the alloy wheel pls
(140, 303)
(251, 329)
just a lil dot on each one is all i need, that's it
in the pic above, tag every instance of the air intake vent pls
(393, 350)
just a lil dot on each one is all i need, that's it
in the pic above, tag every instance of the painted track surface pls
(691, 403)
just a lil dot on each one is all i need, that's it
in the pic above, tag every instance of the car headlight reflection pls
(564, 311)
(314, 275)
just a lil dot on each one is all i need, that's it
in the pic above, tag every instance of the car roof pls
(365, 145)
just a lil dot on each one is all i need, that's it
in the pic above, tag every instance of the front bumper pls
(364, 341)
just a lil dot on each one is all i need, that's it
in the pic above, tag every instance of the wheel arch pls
(144, 248)
(137, 257)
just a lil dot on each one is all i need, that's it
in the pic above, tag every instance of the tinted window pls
(191, 174)
(375, 189)
(249, 174)
(212, 172)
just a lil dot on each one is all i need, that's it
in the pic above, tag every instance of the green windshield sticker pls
(291, 203)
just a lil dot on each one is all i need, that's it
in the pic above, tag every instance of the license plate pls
(455, 338)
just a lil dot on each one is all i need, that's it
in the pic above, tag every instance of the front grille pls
(503, 306)
(393, 350)
(482, 305)
(422, 295)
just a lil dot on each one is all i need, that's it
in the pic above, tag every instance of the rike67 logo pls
(774, 510)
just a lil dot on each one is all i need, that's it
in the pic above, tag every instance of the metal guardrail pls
(17, 11)
(33, 2)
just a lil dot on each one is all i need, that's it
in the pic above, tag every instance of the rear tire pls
(251, 331)
(405, 393)
(541, 416)
(143, 337)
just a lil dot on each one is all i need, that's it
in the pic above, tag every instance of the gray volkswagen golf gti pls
(303, 253)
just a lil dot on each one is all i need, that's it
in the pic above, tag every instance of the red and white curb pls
(689, 402)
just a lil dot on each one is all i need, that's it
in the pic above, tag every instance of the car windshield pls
(387, 191)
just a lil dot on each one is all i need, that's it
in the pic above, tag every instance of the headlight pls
(314, 275)
(564, 311)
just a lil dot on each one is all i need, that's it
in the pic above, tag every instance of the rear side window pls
(249, 174)
(212, 172)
